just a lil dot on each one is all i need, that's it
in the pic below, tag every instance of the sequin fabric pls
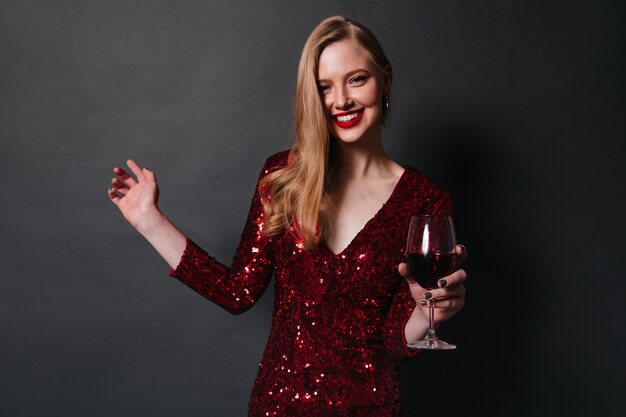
(337, 331)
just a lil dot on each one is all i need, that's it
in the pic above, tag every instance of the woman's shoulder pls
(420, 186)
(276, 161)
(418, 177)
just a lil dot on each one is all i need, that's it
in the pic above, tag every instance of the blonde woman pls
(329, 218)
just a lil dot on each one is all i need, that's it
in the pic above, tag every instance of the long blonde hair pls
(292, 195)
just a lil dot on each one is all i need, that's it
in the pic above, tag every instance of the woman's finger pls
(450, 290)
(461, 254)
(119, 185)
(442, 293)
(149, 175)
(448, 303)
(124, 176)
(121, 191)
(136, 170)
(455, 278)
(114, 196)
(403, 270)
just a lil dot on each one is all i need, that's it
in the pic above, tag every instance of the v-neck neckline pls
(324, 247)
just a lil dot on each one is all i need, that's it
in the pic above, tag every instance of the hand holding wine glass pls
(432, 256)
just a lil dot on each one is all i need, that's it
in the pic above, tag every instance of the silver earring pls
(386, 105)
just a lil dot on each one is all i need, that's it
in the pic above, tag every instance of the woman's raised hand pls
(136, 198)
(449, 297)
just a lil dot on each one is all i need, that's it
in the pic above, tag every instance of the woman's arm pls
(238, 287)
(235, 288)
(407, 319)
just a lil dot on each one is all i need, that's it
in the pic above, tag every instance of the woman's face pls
(351, 89)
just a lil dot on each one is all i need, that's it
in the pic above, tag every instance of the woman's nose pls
(342, 99)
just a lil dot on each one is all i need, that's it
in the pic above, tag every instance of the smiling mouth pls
(348, 119)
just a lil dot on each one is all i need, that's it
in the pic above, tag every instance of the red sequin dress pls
(337, 331)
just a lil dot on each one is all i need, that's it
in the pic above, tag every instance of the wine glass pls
(430, 249)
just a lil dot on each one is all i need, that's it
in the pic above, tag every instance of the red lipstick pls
(351, 122)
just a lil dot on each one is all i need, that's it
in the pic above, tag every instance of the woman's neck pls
(360, 160)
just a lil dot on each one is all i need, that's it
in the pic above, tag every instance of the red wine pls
(427, 268)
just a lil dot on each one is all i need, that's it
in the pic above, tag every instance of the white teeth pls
(348, 117)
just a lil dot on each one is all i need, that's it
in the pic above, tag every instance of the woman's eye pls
(323, 88)
(359, 79)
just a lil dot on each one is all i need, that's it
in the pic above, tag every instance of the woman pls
(330, 219)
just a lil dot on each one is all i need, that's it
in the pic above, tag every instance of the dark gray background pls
(516, 106)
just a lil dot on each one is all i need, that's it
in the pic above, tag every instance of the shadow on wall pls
(487, 373)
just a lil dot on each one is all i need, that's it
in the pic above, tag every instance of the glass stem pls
(431, 307)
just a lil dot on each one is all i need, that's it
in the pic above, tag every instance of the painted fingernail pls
(424, 303)
(443, 283)
(427, 295)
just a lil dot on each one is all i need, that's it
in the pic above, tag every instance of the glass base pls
(431, 342)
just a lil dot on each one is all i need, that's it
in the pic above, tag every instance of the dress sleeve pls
(401, 309)
(403, 304)
(236, 289)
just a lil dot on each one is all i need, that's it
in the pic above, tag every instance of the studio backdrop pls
(517, 107)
